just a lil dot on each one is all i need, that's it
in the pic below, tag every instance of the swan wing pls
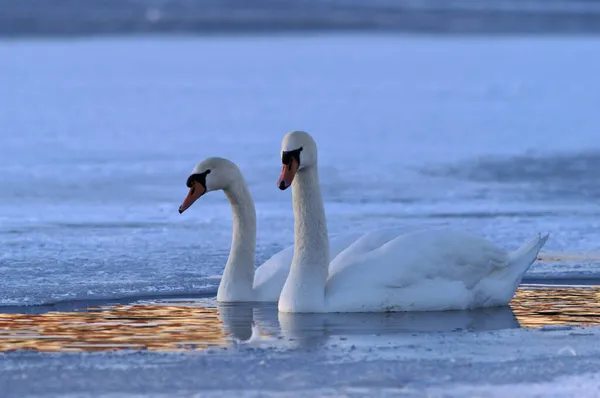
(422, 270)
(364, 244)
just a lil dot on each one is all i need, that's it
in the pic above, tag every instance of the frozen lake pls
(495, 136)
(498, 137)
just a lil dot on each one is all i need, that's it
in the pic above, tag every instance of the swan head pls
(298, 151)
(211, 174)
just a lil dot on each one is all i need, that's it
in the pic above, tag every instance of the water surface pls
(494, 136)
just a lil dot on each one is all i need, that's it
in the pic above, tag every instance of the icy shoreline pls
(547, 361)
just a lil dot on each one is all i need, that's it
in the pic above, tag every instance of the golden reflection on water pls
(537, 306)
(152, 327)
(185, 326)
(567, 257)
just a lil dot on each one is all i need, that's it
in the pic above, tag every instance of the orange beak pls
(287, 174)
(195, 192)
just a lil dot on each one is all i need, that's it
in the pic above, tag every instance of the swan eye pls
(201, 178)
(287, 156)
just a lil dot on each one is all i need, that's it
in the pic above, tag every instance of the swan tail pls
(500, 287)
(521, 259)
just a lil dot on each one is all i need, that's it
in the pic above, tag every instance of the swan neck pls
(238, 276)
(310, 225)
(304, 289)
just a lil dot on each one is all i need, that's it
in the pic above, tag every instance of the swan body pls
(425, 270)
(240, 281)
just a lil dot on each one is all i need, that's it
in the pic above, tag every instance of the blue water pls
(495, 136)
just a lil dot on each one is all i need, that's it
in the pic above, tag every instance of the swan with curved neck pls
(240, 281)
(419, 271)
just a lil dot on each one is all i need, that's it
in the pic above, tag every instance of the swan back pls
(429, 270)
(421, 270)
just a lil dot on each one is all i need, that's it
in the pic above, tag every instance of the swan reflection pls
(310, 329)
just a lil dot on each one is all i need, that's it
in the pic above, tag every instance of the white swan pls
(240, 281)
(417, 271)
